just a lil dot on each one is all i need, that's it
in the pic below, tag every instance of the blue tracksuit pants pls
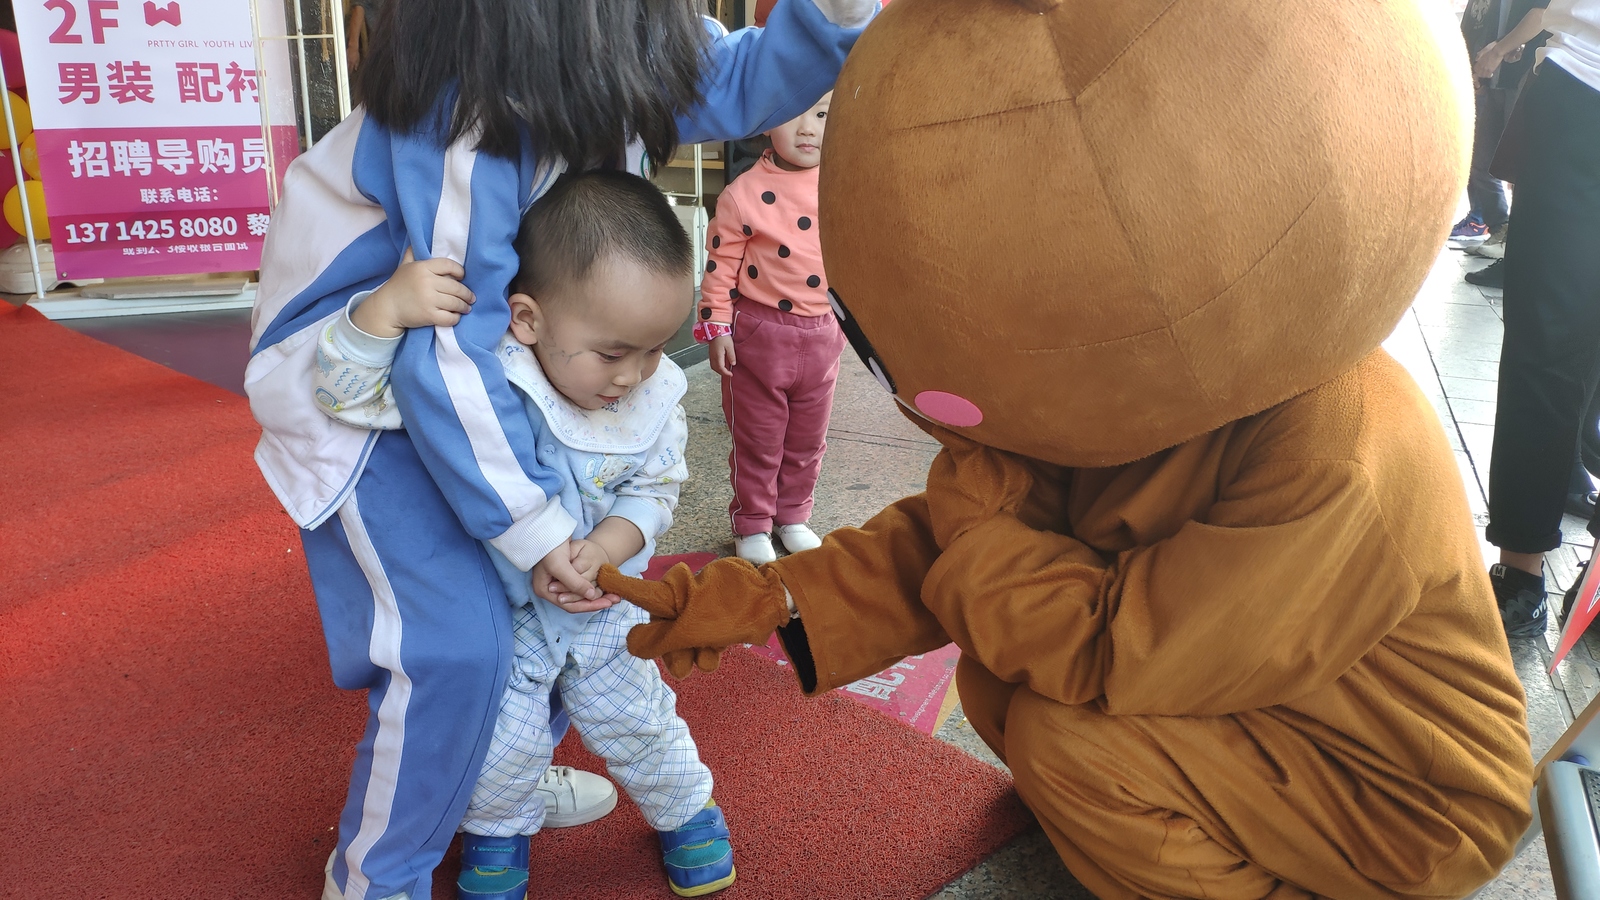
(412, 611)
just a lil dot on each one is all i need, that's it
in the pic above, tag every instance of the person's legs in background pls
(755, 402)
(805, 441)
(1488, 193)
(1580, 489)
(1485, 192)
(1552, 334)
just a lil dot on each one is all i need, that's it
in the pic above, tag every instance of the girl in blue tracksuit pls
(473, 107)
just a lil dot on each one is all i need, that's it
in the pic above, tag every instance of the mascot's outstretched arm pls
(864, 584)
(1248, 608)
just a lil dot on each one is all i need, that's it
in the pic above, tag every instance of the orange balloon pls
(21, 116)
(30, 155)
(36, 210)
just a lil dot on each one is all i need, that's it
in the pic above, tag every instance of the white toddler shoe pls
(575, 797)
(755, 549)
(797, 537)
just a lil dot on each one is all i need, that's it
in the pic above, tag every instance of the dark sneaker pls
(1493, 275)
(1582, 504)
(1520, 597)
(1469, 228)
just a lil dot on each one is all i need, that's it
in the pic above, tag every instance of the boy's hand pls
(586, 559)
(419, 294)
(722, 356)
(555, 575)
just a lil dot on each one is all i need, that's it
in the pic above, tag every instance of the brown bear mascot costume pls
(1202, 545)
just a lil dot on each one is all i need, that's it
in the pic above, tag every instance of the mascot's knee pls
(1038, 749)
(1054, 749)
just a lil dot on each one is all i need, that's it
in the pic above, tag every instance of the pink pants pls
(777, 404)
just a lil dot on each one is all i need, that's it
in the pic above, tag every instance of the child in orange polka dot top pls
(764, 310)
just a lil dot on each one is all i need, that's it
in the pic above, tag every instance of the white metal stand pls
(699, 222)
(1581, 741)
(265, 83)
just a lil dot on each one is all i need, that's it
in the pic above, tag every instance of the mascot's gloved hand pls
(970, 484)
(848, 13)
(694, 616)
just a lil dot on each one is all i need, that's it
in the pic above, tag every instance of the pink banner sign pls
(1584, 610)
(148, 123)
(912, 690)
(157, 201)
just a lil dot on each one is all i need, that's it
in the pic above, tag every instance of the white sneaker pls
(798, 537)
(575, 797)
(1494, 247)
(330, 891)
(755, 549)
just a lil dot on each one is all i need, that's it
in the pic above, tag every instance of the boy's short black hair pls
(589, 217)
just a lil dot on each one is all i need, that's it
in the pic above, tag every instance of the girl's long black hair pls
(583, 77)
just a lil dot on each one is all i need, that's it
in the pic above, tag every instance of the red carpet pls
(171, 731)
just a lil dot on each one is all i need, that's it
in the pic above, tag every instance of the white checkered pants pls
(620, 707)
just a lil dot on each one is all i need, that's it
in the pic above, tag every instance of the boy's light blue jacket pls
(626, 459)
(353, 205)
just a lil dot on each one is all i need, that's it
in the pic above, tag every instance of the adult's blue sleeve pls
(758, 78)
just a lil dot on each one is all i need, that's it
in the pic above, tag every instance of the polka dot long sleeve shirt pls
(763, 246)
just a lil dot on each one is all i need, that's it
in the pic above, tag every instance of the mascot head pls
(1087, 230)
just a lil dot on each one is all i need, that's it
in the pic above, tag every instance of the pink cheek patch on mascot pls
(949, 409)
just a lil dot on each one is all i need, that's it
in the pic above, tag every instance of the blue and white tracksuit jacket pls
(623, 460)
(412, 608)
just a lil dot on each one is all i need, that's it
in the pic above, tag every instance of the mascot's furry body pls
(1203, 547)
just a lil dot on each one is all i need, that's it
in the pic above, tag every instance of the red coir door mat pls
(171, 730)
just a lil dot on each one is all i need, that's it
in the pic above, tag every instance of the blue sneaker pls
(698, 857)
(493, 868)
(1469, 230)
